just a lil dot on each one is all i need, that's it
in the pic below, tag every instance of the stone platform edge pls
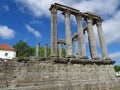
(58, 60)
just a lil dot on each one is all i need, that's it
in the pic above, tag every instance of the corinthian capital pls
(78, 17)
(53, 10)
(99, 22)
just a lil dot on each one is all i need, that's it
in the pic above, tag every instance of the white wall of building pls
(4, 54)
(118, 73)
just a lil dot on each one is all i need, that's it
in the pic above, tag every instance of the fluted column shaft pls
(102, 40)
(45, 50)
(76, 47)
(54, 34)
(60, 50)
(37, 49)
(68, 35)
(81, 37)
(92, 41)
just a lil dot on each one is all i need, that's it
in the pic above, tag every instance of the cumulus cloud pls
(32, 30)
(107, 9)
(6, 8)
(102, 7)
(115, 55)
(37, 7)
(6, 32)
(35, 22)
(40, 7)
(111, 28)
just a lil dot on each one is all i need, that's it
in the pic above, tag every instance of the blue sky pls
(29, 20)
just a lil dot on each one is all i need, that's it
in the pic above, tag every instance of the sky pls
(30, 20)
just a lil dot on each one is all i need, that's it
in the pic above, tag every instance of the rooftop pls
(6, 47)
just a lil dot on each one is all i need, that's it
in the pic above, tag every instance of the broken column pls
(54, 36)
(37, 49)
(81, 37)
(102, 40)
(68, 34)
(91, 38)
(45, 50)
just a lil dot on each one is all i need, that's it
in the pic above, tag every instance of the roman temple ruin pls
(91, 19)
(72, 72)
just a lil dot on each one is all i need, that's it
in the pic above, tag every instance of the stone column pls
(60, 42)
(45, 50)
(68, 35)
(92, 41)
(60, 50)
(37, 49)
(102, 41)
(76, 47)
(81, 37)
(54, 36)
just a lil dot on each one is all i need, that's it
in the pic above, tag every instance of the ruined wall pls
(48, 75)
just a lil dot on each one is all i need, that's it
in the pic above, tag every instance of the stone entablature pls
(91, 19)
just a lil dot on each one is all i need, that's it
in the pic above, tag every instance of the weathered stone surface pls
(48, 75)
(69, 52)
(102, 40)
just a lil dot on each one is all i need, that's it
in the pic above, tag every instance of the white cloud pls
(115, 55)
(6, 33)
(107, 9)
(102, 7)
(112, 29)
(37, 7)
(6, 8)
(22, 9)
(40, 7)
(35, 22)
(32, 30)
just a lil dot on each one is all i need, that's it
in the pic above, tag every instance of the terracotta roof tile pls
(6, 47)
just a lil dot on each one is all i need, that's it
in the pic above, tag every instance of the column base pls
(107, 58)
(70, 56)
(84, 57)
(96, 58)
(54, 55)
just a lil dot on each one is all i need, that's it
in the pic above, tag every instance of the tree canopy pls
(117, 68)
(24, 50)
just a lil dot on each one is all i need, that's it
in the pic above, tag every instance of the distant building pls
(7, 52)
(118, 73)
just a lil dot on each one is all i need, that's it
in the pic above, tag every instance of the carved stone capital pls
(75, 39)
(78, 17)
(61, 41)
(53, 11)
(99, 22)
(66, 13)
(89, 20)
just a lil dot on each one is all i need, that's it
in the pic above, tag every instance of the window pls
(6, 54)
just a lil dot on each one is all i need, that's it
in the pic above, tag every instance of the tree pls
(42, 52)
(117, 68)
(63, 52)
(23, 49)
